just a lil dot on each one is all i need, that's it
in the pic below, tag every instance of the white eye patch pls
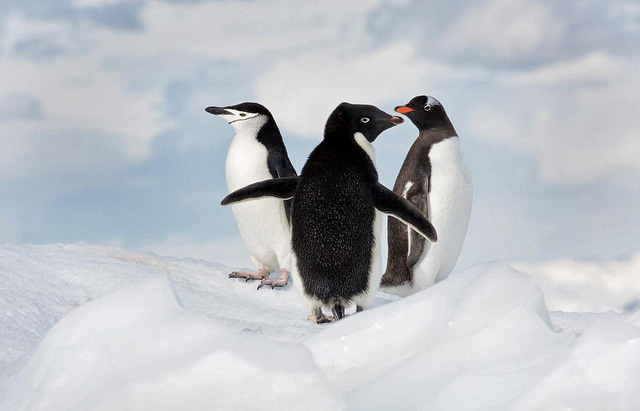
(237, 115)
(432, 102)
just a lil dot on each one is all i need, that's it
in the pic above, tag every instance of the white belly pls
(262, 223)
(450, 201)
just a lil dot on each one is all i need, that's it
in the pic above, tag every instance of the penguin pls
(257, 152)
(336, 213)
(434, 177)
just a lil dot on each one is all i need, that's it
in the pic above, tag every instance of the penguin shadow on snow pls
(336, 206)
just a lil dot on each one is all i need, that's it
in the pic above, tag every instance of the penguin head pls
(243, 116)
(365, 119)
(425, 112)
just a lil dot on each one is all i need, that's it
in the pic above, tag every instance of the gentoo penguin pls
(258, 153)
(436, 179)
(334, 223)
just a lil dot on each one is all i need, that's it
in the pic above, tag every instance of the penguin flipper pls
(283, 168)
(283, 188)
(390, 203)
(416, 242)
(417, 195)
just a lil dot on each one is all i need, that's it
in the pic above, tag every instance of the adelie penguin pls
(334, 222)
(436, 179)
(257, 152)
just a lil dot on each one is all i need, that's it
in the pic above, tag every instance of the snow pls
(138, 347)
(588, 286)
(98, 327)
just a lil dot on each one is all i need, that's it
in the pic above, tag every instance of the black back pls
(333, 211)
(434, 126)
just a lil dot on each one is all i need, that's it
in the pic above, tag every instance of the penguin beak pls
(216, 111)
(404, 109)
(395, 120)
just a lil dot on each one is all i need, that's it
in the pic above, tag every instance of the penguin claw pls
(279, 282)
(319, 317)
(250, 275)
(322, 320)
(272, 283)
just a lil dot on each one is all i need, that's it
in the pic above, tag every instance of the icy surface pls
(589, 286)
(97, 327)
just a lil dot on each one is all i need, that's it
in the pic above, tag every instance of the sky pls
(105, 138)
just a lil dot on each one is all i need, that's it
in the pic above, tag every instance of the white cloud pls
(504, 30)
(578, 117)
(16, 29)
(593, 67)
(83, 99)
(237, 29)
(83, 4)
(584, 286)
(82, 103)
(303, 90)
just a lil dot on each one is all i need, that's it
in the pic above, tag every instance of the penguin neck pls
(269, 135)
(433, 135)
(362, 141)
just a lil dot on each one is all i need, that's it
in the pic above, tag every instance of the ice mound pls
(138, 349)
(138, 331)
(482, 340)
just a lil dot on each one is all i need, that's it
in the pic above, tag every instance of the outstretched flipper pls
(283, 188)
(390, 203)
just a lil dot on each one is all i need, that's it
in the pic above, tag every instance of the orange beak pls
(403, 109)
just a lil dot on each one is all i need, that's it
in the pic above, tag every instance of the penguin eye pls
(242, 115)
(427, 107)
(365, 119)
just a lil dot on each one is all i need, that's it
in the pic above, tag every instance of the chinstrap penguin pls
(257, 152)
(335, 226)
(434, 177)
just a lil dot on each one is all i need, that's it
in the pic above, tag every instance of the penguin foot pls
(281, 281)
(250, 275)
(322, 320)
(319, 317)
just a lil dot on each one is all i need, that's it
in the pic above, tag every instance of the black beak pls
(216, 111)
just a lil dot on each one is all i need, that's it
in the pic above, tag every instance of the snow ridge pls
(97, 327)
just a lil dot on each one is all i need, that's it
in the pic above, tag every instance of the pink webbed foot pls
(318, 317)
(281, 281)
(250, 275)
